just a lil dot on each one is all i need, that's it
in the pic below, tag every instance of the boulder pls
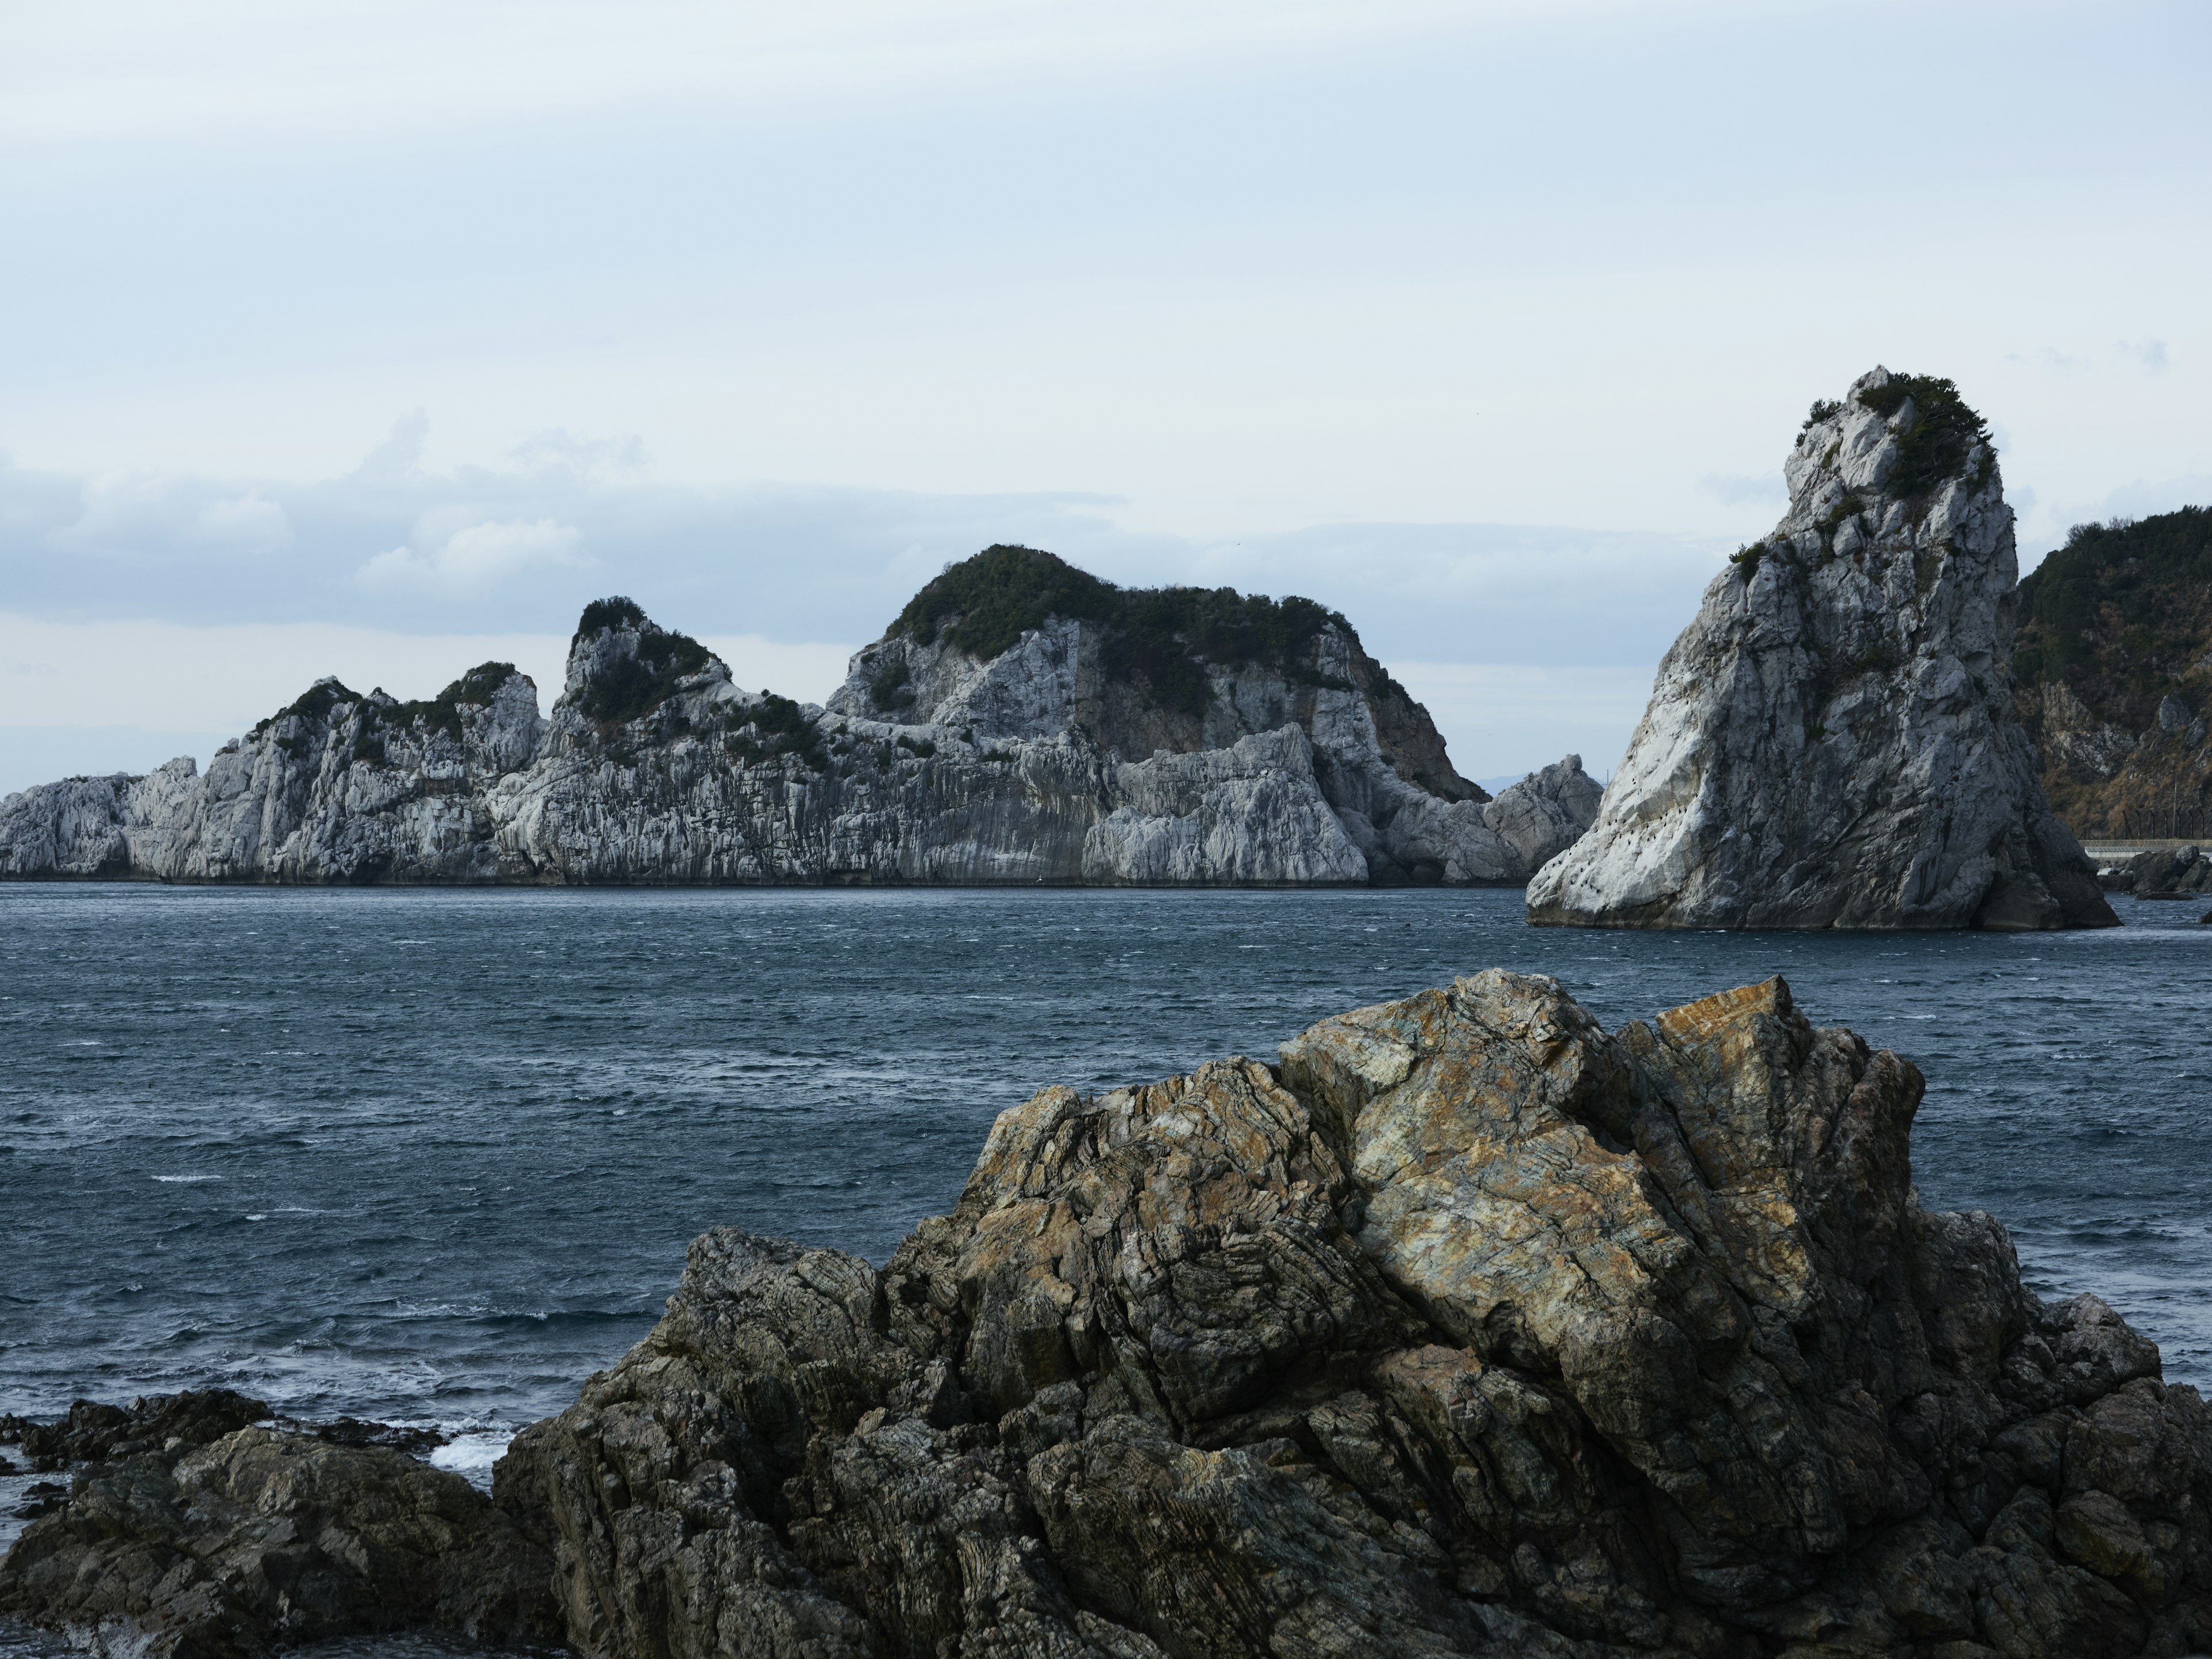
(189, 1535)
(2167, 872)
(1832, 741)
(1466, 1327)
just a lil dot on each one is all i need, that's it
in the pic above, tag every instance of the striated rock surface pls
(1833, 742)
(1466, 1328)
(195, 1535)
(1178, 736)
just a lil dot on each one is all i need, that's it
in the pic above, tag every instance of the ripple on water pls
(434, 1157)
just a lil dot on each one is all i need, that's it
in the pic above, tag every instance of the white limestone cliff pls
(1033, 764)
(1831, 743)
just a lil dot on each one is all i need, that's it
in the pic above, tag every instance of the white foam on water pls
(471, 1454)
(188, 1177)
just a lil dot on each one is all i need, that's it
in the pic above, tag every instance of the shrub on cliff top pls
(2121, 613)
(1943, 432)
(1162, 639)
(614, 612)
(442, 713)
(630, 686)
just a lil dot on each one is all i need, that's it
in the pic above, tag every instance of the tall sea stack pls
(1833, 742)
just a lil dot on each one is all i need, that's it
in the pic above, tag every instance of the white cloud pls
(807, 672)
(2148, 355)
(471, 561)
(1500, 719)
(122, 70)
(1737, 491)
(165, 677)
(245, 523)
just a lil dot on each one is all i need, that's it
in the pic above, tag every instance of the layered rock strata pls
(1833, 742)
(1049, 760)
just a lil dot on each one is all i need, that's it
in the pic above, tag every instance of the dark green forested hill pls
(2113, 670)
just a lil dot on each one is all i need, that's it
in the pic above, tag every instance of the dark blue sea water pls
(434, 1157)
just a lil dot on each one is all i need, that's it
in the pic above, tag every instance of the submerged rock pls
(1021, 722)
(1833, 742)
(1466, 1328)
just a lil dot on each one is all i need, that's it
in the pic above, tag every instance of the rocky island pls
(1465, 1327)
(1833, 741)
(1021, 721)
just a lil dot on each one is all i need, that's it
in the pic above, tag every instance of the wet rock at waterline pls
(191, 1529)
(1833, 742)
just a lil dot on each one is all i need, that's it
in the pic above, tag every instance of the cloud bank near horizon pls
(208, 603)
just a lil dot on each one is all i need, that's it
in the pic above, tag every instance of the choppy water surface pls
(434, 1157)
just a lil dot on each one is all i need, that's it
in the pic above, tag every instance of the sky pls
(375, 339)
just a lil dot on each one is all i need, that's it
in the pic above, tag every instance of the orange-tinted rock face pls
(1469, 1327)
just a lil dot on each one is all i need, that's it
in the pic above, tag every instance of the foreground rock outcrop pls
(1467, 1328)
(1022, 722)
(1833, 742)
(198, 1532)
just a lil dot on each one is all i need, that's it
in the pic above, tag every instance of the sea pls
(433, 1156)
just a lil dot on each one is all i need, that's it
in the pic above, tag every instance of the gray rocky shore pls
(1464, 1328)
(1833, 742)
(1022, 722)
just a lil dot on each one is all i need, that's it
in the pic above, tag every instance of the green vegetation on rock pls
(1942, 433)
(627, 687)
(2111, 626)
(2122, 613)
(774, 728)
(1161, 638)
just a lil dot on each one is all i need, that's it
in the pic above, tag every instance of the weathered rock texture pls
(196, 1535)
(1467, 1328)
(1212, 740)
(1833, 742)
(2164, 872)
(2113, 670)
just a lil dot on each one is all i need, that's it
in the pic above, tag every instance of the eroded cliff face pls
(1029, 766)
(1831, 743)
(1467, 1328)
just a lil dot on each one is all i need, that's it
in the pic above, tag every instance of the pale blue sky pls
(1489, 324)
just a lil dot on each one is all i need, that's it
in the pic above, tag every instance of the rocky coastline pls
(1021, 723)
(1464, 1326)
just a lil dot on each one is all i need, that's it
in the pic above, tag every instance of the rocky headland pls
(1833, 742)
(1020, 722)
(2113, 673)
(1466, 1327)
